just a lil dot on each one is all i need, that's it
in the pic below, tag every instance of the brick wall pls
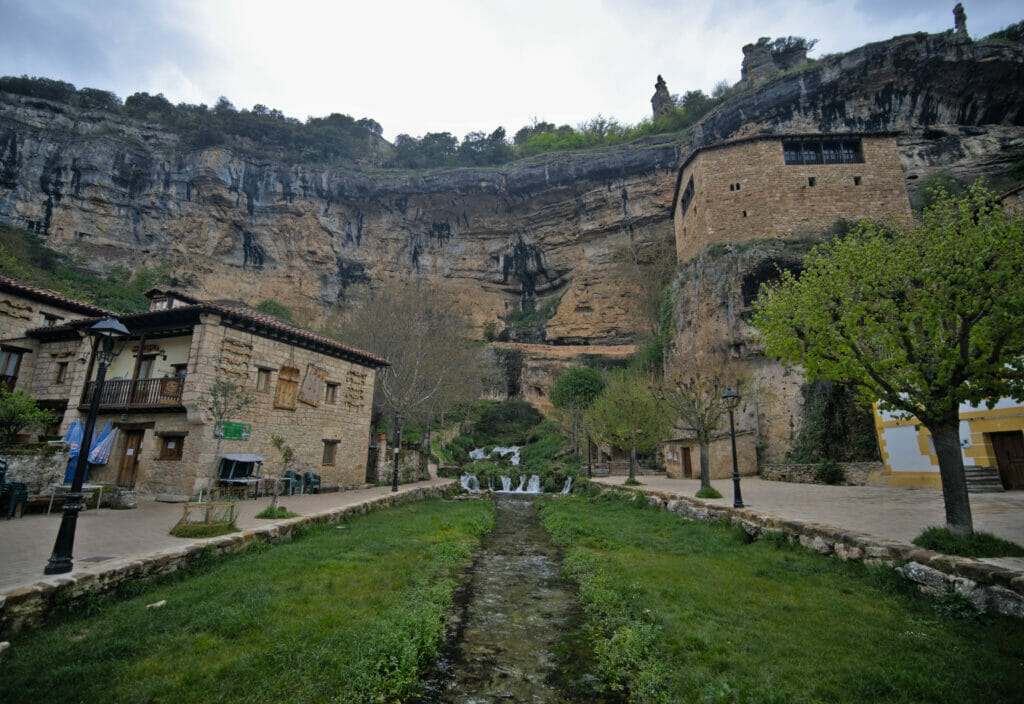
(857, 473)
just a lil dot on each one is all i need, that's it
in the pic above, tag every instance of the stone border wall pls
(29, 607)
(988, 587)
(857, 473)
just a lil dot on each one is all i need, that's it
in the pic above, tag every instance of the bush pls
(708, 492)
(278, 512)
(830, 472)
(978, 544)
(202, 530)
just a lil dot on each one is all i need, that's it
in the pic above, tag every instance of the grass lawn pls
(678, 611)
(348, 613)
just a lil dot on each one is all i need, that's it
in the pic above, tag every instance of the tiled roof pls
(52, 297)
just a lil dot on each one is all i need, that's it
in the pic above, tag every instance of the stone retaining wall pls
(29, 607)
(991, 588)
(39, 467)
(857, 473)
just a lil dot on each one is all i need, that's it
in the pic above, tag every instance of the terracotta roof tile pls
(42, 294)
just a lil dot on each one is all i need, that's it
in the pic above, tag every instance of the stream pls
(514, 611)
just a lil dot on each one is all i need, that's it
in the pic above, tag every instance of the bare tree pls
(435, 361)
(222, 399)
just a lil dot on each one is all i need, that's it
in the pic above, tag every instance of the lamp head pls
(731, 399)
(107, 333)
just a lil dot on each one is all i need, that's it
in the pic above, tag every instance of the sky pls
(439, 65)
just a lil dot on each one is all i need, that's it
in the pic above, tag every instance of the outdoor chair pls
(312, 482)
(294, 481)
(12, 496)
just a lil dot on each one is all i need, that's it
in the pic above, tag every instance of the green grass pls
(678, 611)
(344, 613)
(278, 512)
(630, 481)
(202, 530)
(708, 492)
(978, 544)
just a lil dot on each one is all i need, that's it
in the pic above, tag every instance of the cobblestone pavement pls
(890, 513)
(105, 534)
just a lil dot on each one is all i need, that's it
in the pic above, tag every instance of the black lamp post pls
(398, 446)
(590, 472)
(732, 400)
(109, 337)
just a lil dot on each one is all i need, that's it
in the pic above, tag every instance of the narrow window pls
(146, 367)
(262, 379)
(287, 388)
(331, 393)
(179, 370)
(732, 186)
(62, 372)
(10, 363)
(330, 452)
(744, 213)
(171, 446)
(50, 320)
(810, 181)
(856, 180)
(684, 200)
(737, 186)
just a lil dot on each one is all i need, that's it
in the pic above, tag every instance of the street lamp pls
(398, 446)
(109, 338)
(732, 400)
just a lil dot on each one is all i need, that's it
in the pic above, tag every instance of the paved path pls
(890, 513)
(105, 534)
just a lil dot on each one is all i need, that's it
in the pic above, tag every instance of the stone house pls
(682, 456)
(314, 391)
(776, 186)
(22, 308)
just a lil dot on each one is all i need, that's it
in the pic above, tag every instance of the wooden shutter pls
(287, 388)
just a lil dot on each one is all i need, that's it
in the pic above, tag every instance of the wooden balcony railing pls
(137, 393)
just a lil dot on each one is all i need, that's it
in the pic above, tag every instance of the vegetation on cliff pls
(23, 257)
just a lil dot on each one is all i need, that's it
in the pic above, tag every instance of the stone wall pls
(745, 190)
(30, 607)
(719, 456)
(412, 466)
(857, 473)
(989, 587)
(37, 466)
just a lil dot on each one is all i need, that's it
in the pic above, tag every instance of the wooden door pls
(687, 466)
(1009, 449)
(130, 458)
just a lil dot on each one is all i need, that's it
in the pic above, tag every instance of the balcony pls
(135, 394)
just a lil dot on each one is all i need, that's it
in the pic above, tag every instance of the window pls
(179, 370)
(330, 452)
(822, 151)
(744, 213)
(146, 367)
(856, 180)
(331, 393)
(171, 447)
(810, 181)
(684, 200)
(262, 379)
(161, 304)
(10, 363)
(287, 388)
(62, 372)
(50, 320)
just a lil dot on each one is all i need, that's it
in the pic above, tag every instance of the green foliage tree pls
(628, 415)
(19, 411)
(223, 399)
(920, 319)
(573, 393)
(697, 402)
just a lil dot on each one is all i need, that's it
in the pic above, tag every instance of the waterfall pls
(522, 482)
(506, 483)
(470, 482)
(490, 484)
(534, 486)
(568, 485)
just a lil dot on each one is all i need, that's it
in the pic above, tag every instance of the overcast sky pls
(444, 65)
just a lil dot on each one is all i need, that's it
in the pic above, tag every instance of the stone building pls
(22, 308)
(682, 456)
(784, 186)
(313, 391)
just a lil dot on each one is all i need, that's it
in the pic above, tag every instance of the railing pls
(137, 393)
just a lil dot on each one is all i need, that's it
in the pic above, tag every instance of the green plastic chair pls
(312, 482)
(294, 482)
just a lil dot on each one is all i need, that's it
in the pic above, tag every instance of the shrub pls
(276, 512)
(708, 492)
(202, 530)
(978, 544)
(830, 472)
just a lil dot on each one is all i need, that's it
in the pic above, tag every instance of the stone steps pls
(983, 480)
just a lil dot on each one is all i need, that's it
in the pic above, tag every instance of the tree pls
(697, 401)
(573, 393)
(627, 414)
(20, 411)
(223, 399)
(919, 319)
(435, 362)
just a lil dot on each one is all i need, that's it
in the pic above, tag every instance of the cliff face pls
(580, 231)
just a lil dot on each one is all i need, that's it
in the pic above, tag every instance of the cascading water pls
(534, 486)
(506, 483)
(490, 484)
(522, 483)
(470, 482)
(568, 485)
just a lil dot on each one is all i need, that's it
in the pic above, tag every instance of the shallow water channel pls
(514, 610)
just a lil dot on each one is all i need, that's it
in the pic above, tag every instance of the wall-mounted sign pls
(232, 431)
